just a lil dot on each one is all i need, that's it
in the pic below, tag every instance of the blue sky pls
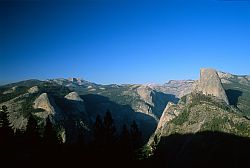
(108, 41)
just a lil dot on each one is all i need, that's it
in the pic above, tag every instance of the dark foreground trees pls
(40, 147)
(41, 144)
(6, 135)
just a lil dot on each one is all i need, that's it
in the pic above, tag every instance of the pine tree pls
(125, 135)
(136, 136)
(32, 132)
(125, 145)
(109, 129)
(6, 135)
(5, 129)
(20, 137)
(49, 135)
(98, 131)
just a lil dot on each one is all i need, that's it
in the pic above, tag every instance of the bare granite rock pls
(168, 114)
(49, 106)
(43, 102)
(73, 96)
(210, 84)
(33, 89)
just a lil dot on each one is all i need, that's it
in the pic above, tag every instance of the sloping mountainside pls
(42, 100)
(73, 104)
(238, 91)
(208, 126)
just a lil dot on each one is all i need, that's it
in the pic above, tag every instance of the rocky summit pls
(210, 84)
(205, 124)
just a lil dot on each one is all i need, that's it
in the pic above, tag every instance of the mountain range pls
(217, 102)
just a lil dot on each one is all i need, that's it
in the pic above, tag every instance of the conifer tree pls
(6, 131)
(109, 129)
(6, 135)
(125, 136)
(136, 136)
(32, 133)
(50, 136)
(125, 145)
(98, 131)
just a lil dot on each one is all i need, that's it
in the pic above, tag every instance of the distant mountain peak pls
(78, 81)
(71, 81)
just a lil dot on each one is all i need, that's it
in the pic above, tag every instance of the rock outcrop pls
(33, 89)
(43, 102)
(73, 96)
(48, 105)
(77, 103)
(145, 94)
(168, 114)
(145, 105)
(210, 84)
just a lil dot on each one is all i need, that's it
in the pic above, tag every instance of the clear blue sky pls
(122, 41)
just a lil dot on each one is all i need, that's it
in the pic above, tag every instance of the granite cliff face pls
(207, 108)
(210, 84)
(170, 112)
(43, 102)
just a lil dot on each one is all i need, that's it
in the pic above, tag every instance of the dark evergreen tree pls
(20, 137)
(32, 132)
(80, 138)
(125, 145)
(5, 129)
(109, 129)
(6, 136)
(49, 135)
(98, 131)
(136, 136)
(125, 136)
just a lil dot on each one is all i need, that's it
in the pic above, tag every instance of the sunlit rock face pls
(210, 84)
(168, 114)
(33, 89)
(43, 102)
(73, 96)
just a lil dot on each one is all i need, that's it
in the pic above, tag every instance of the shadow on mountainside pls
(233, 96)
(122, 114)
(204, 149)
(161, 100)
